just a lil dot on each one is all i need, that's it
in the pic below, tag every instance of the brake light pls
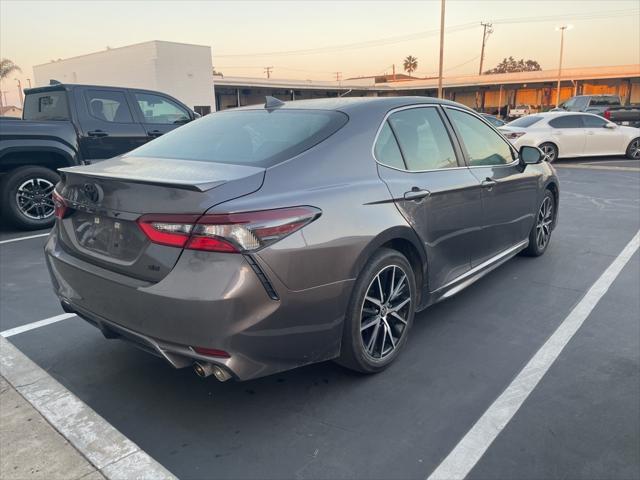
(60, 208)
(514, 135)
(228, 232)
(607, 114)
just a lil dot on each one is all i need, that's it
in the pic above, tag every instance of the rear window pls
(604, 101)
(250, 137)
(46, 106)
(525, 122)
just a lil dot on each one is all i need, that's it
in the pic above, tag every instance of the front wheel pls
(27, 197)
(633, 150)
(549, 152)
(540, 234)
(380, 313)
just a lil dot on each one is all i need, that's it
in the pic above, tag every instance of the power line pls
(429, 33)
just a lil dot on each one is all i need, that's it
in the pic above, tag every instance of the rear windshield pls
(605, 101)
(525, 122)
(249, 137)
(46, 106)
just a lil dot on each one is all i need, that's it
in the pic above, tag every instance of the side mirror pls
(530, 155)
(610, 125)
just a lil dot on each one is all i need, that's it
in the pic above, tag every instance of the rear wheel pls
(540, 234)
(549, 152)
(380, 313)
(27, 197)
(633, 150)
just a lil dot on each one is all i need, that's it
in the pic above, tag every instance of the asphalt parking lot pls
(581, 421)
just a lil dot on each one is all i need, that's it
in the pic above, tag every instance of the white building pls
(181, 70)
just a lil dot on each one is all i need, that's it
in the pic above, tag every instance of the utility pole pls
(338, 76)
(441, 49)
(562, 29)
(487, 30)
(394, 72)
(267, 70)
(20, 92)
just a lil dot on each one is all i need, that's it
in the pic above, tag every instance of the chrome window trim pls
(516, 160)
(381, 126)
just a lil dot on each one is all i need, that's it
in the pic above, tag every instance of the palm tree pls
(410, 64)
(7, 67)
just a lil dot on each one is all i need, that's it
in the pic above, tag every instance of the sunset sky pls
(368, 36)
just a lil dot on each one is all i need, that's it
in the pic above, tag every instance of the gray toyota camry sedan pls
(264, 238)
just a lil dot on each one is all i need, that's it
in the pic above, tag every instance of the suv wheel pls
(26, 197)
(380, 313)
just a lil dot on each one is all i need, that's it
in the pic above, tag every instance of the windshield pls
(46, 106)
(525, 122)
(249, 137)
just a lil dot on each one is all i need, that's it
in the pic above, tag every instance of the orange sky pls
(366, 37)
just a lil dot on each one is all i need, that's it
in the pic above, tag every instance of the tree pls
(510, 65)
(410, 64)
(7, 67)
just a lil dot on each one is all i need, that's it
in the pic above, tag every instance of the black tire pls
(40, 180)
(633, 150)
(544, 221)
(354, 354)
(549, 152)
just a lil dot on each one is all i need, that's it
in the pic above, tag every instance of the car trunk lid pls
(106, 199)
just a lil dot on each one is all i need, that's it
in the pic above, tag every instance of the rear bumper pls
(211, 300)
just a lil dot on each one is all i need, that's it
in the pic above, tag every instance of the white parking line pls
(31, 326)
(113, 454)
(10, 240)
(475, 443)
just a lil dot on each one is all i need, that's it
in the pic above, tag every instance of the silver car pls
(261, 239)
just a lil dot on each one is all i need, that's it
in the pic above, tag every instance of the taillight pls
(607, 114)
(514, 135)
(59, 205)
(227, 232)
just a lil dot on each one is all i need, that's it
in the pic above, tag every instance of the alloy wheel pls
(34, 200)
(385, 312)
(634, 149)
(543, 223)
(548, 153)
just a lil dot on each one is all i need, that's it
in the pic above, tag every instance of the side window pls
(484, 146)
(567, 121)
(108, 106)
(592, 121)
(423, 138)
(157, 109)
(386, 149)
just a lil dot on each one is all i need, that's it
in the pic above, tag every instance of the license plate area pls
(115, 238)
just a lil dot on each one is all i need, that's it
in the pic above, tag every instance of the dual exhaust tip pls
(203, 370)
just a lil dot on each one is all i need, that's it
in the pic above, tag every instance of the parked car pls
(608, 106)
(569, 134)
(520, 111)
(258, 239)
(66, 125)
(493, 120)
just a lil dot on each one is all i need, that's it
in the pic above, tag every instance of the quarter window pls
(484, 146)
(157, 109)
(567, 121)
(423, 139)
(386, 149)
(108, 106)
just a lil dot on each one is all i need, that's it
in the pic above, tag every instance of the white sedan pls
(573, 134)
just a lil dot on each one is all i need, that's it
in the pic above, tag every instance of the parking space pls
(322, 421)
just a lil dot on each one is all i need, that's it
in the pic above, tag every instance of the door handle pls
(416, 194)
(154, 133)
(489, 183)
(590, 132)
(97, 133)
